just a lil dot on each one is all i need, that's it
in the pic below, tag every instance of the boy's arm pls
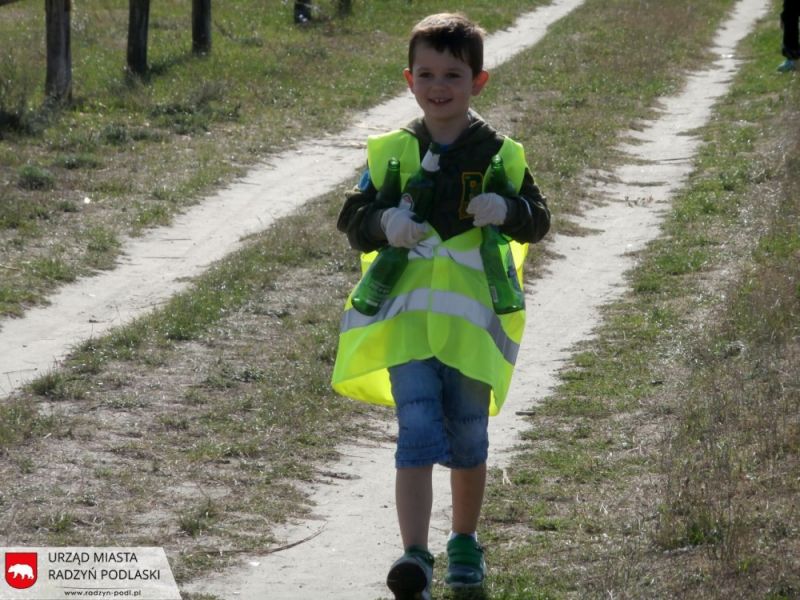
(360, 219)
(528, 218)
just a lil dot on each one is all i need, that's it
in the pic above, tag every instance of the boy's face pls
(442, 84)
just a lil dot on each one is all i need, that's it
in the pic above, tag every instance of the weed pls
(57, 385)
(32, 177)
(103, 246)
(17, 92)
(115, 134)
(53, 269)
(199, 519)
(16, 213)
(19, 421)
(60, 523)
(83, 160)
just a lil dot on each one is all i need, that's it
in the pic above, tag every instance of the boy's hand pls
(401, 230)
(488, 209)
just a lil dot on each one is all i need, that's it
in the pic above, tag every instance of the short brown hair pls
(453, 32)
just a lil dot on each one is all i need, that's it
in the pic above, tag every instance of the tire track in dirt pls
(356, 511)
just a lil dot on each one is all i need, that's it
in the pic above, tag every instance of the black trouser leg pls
(789, 20)
(302, 11)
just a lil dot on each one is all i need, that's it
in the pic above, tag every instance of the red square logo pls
(21, 569)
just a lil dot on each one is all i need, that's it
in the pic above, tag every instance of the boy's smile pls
(443, 86)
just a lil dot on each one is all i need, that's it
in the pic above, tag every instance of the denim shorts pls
(442, 416)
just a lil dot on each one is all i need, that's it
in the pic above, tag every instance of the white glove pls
(400, 228)
(488, 209)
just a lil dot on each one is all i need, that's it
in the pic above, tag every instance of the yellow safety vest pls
(440, 307)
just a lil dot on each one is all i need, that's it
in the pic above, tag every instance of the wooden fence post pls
(138, 24)
(58, 82)
(201, 26)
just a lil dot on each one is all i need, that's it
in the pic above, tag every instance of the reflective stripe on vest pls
(440, 307)
(446, 303)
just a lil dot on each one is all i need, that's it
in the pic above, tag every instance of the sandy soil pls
(355, 510)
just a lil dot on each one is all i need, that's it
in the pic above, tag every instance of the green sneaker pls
(411, 574)
(466, 567)
(787, 65)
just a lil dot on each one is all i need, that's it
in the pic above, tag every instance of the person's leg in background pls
(302, 11)
(791, 35)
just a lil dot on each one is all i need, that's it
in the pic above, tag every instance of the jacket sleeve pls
(528, 218)
(360, 219)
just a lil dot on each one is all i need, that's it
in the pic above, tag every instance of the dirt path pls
(355, 510)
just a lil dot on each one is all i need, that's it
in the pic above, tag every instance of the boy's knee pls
(469, 443)
(419, 418)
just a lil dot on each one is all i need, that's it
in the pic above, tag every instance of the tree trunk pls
(58, 83)
(138, 23)
(201, 26)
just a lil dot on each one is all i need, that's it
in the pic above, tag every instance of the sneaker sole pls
(465, 578)
(407, 581)
(458, 585)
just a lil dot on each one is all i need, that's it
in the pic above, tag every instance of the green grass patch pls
(31, 177)
(20, 422)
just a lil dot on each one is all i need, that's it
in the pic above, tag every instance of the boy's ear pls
(409, 78)
(479, 81)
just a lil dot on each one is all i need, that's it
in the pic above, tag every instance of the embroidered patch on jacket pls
(471, 186)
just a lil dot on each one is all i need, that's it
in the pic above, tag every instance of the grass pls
(190, 428)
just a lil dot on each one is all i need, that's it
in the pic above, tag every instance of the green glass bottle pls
(498, 260)
(390, 263)
(388, 266)
(419, 193)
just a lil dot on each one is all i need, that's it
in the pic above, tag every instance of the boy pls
(436, 349)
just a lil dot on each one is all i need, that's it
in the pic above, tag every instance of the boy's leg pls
(467, 487)
(466, 566)
(467, 417)
(421, 443)
(410, 576)
(414, 499)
